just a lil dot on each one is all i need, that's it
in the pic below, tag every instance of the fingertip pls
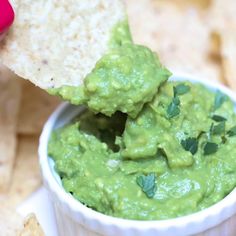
(6, 17)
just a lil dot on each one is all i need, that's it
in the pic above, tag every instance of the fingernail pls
(6, 16)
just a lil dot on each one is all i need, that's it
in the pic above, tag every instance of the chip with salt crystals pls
(56, 43)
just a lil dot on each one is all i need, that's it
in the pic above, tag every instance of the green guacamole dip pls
(176, 157)
(124, 79)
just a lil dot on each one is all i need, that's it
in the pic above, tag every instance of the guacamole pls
(124, 79)
(176, 157)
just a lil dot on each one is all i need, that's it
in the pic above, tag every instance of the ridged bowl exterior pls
(75, 219)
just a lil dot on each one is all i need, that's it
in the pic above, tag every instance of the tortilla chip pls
(55, 43)
(229, 58)
(26, 176)
(215, 46)
(181, 37)
(224, 24)
(10, 222)
(6, 74)
(10, 95)
(36, 106)
(221, 16)
(201, 4)
(31, 227)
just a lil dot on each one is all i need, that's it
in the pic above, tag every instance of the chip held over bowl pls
(56, 43)
(83, 53)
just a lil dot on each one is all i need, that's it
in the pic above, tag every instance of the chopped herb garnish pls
(190, 144)
(200, 134)
(232, 132)
(210, 148)
(181, 89)
(173, 109)
(218, 118)
(220, 98)
(223, 139)
(176, 101)
(211, 130)
(218, 129)
(147, 184)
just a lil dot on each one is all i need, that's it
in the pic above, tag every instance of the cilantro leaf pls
(220, 98)
(173, 108)
(147, 184)
(223, 139)
(218, 129)
(190, 144)
(218, 118)
(181, 89)
(210, 148)
(232, 131)
(176, 101)
(200, 134)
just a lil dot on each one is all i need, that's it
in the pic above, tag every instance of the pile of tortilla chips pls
(196, 37)
(24, 109)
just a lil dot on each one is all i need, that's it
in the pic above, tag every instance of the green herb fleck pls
(190, 144)
(218, 118)
(181, 89)
(220, 98)
(210, 148)
(232, 132)
(147, 184)
(223, 139)
(218, 129)
(200, 134)
(173, 109)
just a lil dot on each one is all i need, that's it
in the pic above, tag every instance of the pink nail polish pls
(6, 16)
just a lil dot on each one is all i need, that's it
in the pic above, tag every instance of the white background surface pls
(39, 204)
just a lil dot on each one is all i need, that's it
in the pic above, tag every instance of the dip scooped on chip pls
(83, 52)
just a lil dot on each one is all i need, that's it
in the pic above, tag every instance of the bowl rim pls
(210, 216)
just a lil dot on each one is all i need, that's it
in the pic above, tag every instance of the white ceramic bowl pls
(73, 218)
